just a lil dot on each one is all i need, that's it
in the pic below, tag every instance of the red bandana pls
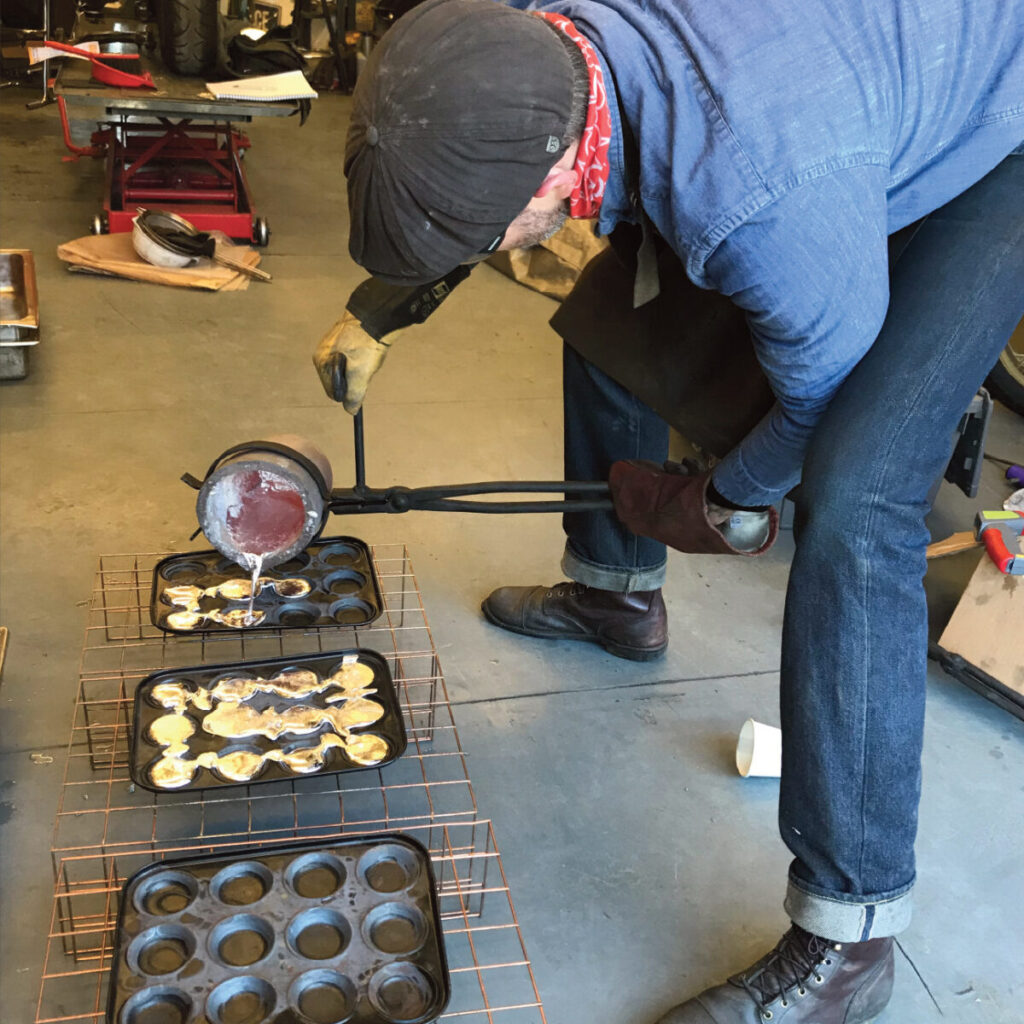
(591, 165)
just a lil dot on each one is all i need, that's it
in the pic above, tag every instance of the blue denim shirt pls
(781, 142)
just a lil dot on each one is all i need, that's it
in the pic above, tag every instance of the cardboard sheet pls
(987, 627)
(114, 255)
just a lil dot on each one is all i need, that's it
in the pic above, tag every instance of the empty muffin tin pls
(343, 589)
(345, 932)
(147, 752)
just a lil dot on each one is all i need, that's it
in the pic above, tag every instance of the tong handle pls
(592, 496)
(359, 436)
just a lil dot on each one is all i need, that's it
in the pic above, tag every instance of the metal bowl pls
(152, 246)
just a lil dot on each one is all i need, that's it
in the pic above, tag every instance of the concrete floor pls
(642, 867)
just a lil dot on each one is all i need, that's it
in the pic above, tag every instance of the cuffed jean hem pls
(841, 921)
(608, 577)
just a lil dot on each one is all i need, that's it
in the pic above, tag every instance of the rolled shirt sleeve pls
(811, 272)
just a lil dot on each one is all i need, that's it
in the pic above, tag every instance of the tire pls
(1006, 381)
(189, 35)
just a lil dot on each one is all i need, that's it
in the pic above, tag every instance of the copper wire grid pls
(107, 828)
(492, 979)
(101, 811)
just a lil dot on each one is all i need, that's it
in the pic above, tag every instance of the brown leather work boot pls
(804, 980)
(630, 626)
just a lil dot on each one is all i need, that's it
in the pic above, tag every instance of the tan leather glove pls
(346, 358)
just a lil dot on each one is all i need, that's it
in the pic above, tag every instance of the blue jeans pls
(855, 632)
(605, 423)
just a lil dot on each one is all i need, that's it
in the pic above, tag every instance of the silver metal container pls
(269, 494)
(19, 311)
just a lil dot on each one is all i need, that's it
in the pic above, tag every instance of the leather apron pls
(686, 353)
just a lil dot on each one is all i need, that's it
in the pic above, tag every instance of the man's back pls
(765, 96)
(781, 142)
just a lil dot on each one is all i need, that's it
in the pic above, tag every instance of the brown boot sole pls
(619, 650)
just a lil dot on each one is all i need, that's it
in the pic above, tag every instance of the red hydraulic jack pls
(191, 169)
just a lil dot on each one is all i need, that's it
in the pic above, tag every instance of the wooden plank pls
(953, 544)
(987, 626)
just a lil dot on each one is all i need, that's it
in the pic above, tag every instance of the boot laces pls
(789, 966)
(567, 589)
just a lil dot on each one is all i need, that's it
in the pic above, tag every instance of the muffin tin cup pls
(164, 1003)
(146, 752)
(246, 999)
(164, 896)
(323, 996)
(388, 869)
(344, 589)
(241, 884)
(314, 959)
(401, 993)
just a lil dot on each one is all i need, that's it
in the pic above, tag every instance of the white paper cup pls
(759, 750)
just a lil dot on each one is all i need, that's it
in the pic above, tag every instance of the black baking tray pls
(145, 752)
(344, 589)
(346, 930)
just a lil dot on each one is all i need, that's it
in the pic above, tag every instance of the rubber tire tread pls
(189, 35)
(1002, 382)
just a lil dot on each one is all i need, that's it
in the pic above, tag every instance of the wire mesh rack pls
(107, 828)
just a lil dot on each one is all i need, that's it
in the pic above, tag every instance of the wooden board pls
(987, 626)
(953, 544)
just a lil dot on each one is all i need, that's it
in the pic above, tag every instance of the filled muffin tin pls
(342, 932)
(331, 583)
(261, 721)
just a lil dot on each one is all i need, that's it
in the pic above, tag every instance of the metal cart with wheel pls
(174, 147)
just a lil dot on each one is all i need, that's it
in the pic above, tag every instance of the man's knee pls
(845, 502)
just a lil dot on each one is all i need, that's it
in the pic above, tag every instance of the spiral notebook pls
(289, 85)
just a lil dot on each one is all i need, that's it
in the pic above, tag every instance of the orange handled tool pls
(1002, 533)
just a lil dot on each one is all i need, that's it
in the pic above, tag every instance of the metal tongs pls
(449, 497)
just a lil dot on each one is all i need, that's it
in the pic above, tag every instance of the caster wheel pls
(261, 231)
(99, 225)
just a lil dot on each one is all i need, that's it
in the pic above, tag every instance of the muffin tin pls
(345, 932)
(343, 589)
(147, 752)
